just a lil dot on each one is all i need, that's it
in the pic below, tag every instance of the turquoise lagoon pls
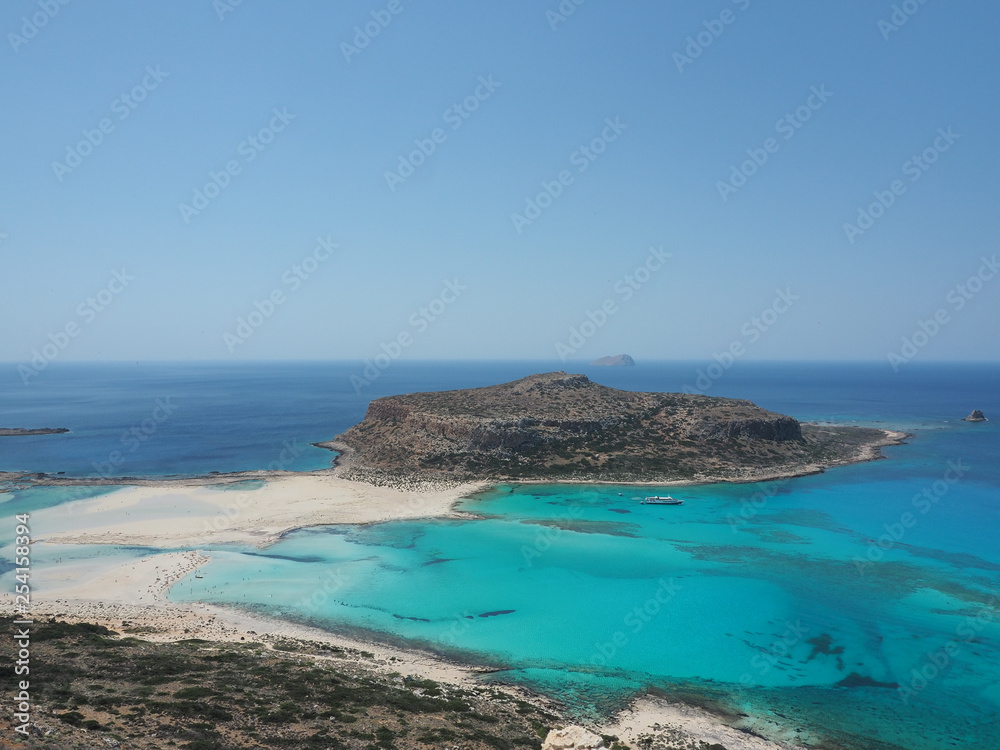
(859, 609)
(861, 606)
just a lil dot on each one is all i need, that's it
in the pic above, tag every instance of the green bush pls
(194, 693)
(73, 718)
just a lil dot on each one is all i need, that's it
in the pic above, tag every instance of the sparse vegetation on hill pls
(560, 426)
(93, 689)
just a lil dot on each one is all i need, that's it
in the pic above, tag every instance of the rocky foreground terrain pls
(93, 688)
(556, 426)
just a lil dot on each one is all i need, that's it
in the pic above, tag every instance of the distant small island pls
(20, 431)
(976, 416)
(618, 360)
(556, 426)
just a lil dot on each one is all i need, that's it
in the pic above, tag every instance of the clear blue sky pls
(552, 89)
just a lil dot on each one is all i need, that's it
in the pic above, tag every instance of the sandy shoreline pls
(233, 509)
(674, 723)
(131, 598)
(173, 515)
(258, 508)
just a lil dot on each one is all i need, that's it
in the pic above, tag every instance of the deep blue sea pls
(860, 608)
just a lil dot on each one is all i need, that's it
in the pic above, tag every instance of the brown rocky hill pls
(560, 426)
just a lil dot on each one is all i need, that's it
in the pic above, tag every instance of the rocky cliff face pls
(777, 429)
(557, 425)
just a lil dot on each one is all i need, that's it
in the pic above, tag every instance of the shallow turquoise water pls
(769, 599)
(772, 600)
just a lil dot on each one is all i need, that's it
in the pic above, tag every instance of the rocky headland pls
(557, 426)
(21, 431)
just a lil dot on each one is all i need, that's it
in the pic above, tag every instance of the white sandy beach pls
(677, 722)
(184, 515)
(143, 582)
(198, 512)
(131, 596)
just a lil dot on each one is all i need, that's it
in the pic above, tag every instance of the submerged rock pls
(976, 416)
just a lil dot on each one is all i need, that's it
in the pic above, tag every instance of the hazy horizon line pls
(573, 362)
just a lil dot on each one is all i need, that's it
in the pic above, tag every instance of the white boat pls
(658, 500)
